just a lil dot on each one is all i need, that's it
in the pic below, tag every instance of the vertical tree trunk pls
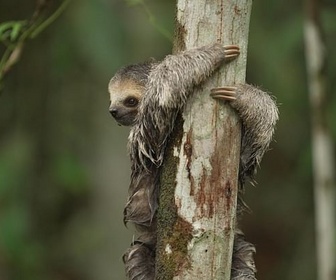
(322, 145)
(196, 218)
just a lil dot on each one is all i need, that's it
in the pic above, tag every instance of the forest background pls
(64, 168)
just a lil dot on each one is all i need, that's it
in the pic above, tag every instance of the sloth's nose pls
(114, 112)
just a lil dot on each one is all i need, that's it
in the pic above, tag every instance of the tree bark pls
(199, 182)
(322, 144)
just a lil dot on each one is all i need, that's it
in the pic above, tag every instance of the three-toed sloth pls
(148, 97)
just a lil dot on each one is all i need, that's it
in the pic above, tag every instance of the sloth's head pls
(126, 89)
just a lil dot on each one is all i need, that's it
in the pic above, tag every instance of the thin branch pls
(15, 34)
(50, 19)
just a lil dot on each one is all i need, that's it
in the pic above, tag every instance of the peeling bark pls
(199, 182)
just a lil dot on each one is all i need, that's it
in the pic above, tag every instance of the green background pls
(64, 168)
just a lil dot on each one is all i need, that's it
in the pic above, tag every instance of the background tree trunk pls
(196, 219)
(322, 144)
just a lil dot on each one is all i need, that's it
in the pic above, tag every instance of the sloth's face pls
(125, 97)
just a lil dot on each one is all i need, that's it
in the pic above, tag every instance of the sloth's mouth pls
(125, 119)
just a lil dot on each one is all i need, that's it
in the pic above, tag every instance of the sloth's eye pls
(131, 102)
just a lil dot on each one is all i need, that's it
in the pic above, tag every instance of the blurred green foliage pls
(14, 34)
(64, 169)
(152, 18)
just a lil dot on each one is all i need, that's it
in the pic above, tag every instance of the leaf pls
(17, 27)
(11, 30)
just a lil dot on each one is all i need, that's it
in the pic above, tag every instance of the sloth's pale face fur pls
(125, 97)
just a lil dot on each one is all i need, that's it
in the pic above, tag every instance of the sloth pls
(148, 97)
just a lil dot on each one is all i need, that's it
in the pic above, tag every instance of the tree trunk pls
(322, 145)
(199, 182)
